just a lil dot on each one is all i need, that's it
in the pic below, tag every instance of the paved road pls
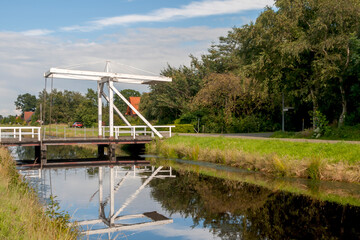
(264, 136)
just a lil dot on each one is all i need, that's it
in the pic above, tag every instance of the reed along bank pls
(22, 216)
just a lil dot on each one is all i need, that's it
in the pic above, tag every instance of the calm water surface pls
(77, 191)
(201, 207)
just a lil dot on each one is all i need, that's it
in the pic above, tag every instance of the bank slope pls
(21, 214)
(325, 161)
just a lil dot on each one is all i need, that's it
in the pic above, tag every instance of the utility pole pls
(284, 109)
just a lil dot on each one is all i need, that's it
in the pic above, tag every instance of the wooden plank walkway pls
(74, 141)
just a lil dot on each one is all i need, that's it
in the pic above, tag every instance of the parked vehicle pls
(77, 125)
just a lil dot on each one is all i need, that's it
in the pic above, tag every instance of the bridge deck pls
(74, 141)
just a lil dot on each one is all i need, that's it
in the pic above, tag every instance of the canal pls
(176, 199)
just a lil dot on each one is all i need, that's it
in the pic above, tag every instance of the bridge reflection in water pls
(112, 221)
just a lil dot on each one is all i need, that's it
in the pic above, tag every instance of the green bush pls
(344, 133)
(183, 128)
(251, 123)
(321, 125)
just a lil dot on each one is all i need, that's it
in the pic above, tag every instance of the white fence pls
(34, 132)
(19, 132)
(135, 130)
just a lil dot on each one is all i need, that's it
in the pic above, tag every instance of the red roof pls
(27, 116)
(135, 101)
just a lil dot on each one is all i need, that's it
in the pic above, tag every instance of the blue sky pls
(36, 35)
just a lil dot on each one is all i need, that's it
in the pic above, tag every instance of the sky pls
(84, 34)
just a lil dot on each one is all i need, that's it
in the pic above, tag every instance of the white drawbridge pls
(109, 78)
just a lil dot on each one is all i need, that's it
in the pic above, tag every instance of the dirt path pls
(263, 136)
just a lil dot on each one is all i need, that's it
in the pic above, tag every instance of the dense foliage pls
(25, 102)
(308, 51)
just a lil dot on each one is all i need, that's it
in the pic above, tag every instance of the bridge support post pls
(101, 151)
(43, 153)
(37, 154)
(40, 154)
(111, 152)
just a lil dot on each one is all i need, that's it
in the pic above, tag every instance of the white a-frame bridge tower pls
(108, 79)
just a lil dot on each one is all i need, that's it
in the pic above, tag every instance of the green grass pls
(21, 214)
(332, 152)
(327, 161)
(62, 130)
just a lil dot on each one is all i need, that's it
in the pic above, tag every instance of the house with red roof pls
(27, 116)
(135, 101)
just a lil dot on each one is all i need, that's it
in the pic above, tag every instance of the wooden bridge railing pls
(19, 132)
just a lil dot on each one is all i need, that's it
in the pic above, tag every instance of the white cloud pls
(194, 9)
(37, 32)
(5, 107)
(24, 59)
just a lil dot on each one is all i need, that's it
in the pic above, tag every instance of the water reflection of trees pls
(58, 152)
(235, 210)
(92, 172)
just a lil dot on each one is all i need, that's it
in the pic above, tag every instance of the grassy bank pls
(325, 161)
(338, 192)
(21, 214)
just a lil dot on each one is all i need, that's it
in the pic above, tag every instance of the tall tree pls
(87, 110)
(167, 101)
(62, 104)
(307, 49)
(25, 102)
(303, 47)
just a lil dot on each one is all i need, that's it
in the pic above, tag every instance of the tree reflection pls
(235, 210)
(92, 172)
(58, 152)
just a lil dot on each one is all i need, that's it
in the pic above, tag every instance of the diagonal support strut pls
(136, 111)
(117, 110)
